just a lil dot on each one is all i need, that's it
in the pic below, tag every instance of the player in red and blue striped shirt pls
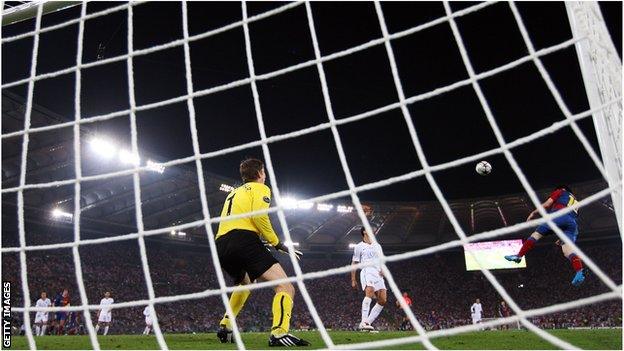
(562, 197)
(62, 300)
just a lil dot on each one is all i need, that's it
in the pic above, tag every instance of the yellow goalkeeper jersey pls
(247, 198)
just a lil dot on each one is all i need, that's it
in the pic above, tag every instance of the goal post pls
(29, 10)
(601, 69)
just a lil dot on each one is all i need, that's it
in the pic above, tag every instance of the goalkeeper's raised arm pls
(244, 258)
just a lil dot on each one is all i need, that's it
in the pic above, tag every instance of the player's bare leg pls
(282, 309)
(528, 244)
(237, 301)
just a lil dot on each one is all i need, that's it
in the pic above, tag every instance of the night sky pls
(449, 126)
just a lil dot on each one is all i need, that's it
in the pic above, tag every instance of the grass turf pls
(604, 339)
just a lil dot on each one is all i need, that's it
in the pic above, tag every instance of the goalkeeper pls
(244, 257)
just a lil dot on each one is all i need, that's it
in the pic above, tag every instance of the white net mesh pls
(608, 104)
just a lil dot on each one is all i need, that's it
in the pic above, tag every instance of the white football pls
(483, 168)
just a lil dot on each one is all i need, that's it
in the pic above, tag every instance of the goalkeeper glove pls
(284, 249)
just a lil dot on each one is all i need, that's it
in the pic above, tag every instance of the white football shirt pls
(476, 308)
(44, 303)
(364, 252)
(105, 305)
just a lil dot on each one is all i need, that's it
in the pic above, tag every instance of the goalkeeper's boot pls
(286, 340)
(579, 278)
(365, 326)
(514, 258)
(224, 334)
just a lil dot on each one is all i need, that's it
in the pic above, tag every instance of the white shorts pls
(476, 318)
(148, 321)
(372, 278)
(41, 317)
(105, 317)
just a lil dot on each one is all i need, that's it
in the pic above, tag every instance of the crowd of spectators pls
(439, 285)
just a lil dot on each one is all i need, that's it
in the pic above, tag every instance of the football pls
(483, 168)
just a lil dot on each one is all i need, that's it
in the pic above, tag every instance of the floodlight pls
(344, 209)
(289, 203)
(305, 205)
(226, 188)
(155, 166)
(103, 147)
(61, 215)
(128, 157)
(324, 207)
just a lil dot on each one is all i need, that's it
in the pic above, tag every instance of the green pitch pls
(605, 339)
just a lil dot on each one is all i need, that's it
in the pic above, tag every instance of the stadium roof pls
(172, 197)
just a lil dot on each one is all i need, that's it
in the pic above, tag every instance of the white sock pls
(97, 328)
(374, 313)
(43, 329)
(146, 331)
(365, 307)
(37, 330)
(106, 330)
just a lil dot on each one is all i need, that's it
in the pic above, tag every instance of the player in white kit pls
(475, 312)
(41, 318)
(148, 320)
(105, 315)
(371, 280)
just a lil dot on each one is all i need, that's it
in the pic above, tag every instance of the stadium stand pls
(440, 287)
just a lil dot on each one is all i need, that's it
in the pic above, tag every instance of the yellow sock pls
(282, 308)
(237, 301)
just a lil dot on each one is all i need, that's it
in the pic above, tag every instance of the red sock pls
(527, 246)
(576, 262)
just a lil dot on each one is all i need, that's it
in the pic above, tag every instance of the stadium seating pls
(440, 287)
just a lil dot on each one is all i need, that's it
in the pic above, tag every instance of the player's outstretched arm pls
(545, 205)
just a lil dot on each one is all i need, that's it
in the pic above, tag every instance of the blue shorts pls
(61, 316)
(566, 223)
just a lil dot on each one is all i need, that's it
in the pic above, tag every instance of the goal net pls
(600, 66)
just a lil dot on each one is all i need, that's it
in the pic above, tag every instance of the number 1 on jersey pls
(230, 200)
